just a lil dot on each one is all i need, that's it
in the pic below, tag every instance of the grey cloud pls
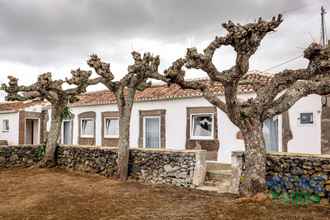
(45, 32)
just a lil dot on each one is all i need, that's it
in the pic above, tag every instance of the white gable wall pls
(12, 135)
(306, 138)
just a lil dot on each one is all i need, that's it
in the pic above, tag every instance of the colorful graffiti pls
(298, 190)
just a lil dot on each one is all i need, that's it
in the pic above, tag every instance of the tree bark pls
(253, 179)
(49, 159)
(123, 151)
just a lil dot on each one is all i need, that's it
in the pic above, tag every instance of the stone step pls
(219, 175)
(218, 189)
(214, 165)
(208, 188)
(218, 185)
(212, 182)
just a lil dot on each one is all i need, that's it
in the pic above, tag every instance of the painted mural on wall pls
(303, 179)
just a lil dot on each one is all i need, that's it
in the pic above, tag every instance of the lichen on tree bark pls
(144, 68)
(273, 97)
(51, 90)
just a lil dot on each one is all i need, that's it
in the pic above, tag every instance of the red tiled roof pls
(17, 105)
(164, 92)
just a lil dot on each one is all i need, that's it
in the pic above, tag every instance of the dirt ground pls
(59, 194)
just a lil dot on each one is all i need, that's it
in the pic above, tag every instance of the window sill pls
(111, 137)
(86, 136)
(202, 139)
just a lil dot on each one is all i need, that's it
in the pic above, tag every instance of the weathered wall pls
(20, 156)
(287, 172)
(181, 168)
(294, 173)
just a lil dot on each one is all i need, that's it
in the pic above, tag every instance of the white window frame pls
(192, 137)
(144, 130)
(105, 130)
(3, 128)
(308, 124)
(87, 136)
(71, 129)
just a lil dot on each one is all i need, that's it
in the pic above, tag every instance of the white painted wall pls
(175, 124)
(98, 110)
(306, 138)
(12, 135)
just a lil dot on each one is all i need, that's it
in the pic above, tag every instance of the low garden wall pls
(291, 173)
(157, 166)
(20, 156)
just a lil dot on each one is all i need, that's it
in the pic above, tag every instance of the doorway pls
(32, 131)
(67, 132)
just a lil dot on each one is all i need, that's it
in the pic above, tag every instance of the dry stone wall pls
(299, 173)
(154, 166)
(291, 173)
(20, 156)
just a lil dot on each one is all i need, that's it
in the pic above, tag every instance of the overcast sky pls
(45, 35)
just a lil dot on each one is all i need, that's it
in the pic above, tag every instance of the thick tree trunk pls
(52, 138)
(123, 151)
(253, 179)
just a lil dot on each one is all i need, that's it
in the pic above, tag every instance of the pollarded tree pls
(144, 67)
(274, 97)
(51, 90)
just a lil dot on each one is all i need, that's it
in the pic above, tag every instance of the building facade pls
(168, 117)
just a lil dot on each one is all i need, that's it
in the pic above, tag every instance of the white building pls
(166, 117)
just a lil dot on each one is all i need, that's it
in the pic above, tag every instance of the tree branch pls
(298, 90)
(103, 70)
(245, 39)
(319, 66)
(80, 78)
(175, 74)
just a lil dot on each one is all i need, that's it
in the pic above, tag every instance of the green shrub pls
(40, 152)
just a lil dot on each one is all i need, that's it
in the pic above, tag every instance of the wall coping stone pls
(287, 154)
(21, 145)
(326, 156)
(157, 150)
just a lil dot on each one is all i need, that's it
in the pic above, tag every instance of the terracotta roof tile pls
(164, 92)
(17, 105)
(154, 93)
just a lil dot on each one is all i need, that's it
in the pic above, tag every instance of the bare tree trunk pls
(254, 175)
(52, 139)
(123, 151)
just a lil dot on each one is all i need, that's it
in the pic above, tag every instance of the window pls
(87, 127)
(111, 129)
(152, 132)
(306, 118)
(202, 126)
(5, 125)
